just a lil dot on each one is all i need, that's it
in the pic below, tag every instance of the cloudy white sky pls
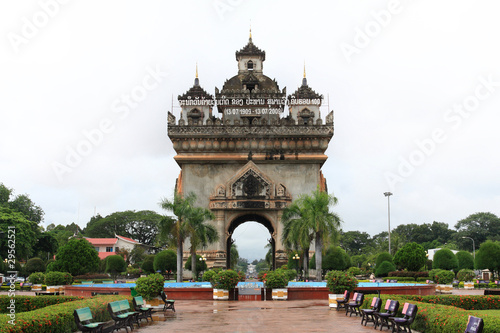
(414, 84)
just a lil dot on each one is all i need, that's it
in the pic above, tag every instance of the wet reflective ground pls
(256, 316)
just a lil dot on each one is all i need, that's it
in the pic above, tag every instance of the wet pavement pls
(255, 316)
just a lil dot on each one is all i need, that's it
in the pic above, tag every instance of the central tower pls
(249, 162)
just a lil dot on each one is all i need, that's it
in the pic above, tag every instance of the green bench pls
(139, 306)
(121, 314)
(169, 303)
(85, 322)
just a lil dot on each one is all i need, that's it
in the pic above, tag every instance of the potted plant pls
(278, 280)
(149, 288)
(223, 281)
(466, 275)
(36, 279)
(338, 282)
(56, 280)
(445, 278)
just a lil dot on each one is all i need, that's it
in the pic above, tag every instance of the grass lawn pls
(494, 313)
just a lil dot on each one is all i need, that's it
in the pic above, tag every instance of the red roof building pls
(110, 246)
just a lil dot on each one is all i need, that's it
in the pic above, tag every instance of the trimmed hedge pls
(399, 278)
(30, 303)
(58, 318)
(437, 315)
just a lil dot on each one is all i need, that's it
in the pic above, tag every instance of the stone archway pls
(250, 218)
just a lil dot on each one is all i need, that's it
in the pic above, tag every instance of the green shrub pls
(201, 265)
(58, 318)
(384, 268)
(34, 265)
(465, 260)
(466, 275)
(384, 256)
(150, 286)
(148, 264)
(209, 275)
(338, 281)
(224, 279)
(37, 278)
(445, 259)
(277, 279)
(165, 261)
(445, 277)
(115, 264)
(399, 278)
(30, 303)
(58, 278)
(354, 271)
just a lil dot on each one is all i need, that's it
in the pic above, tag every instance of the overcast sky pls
(85, 87)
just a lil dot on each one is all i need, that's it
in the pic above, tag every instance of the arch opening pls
(253, 219)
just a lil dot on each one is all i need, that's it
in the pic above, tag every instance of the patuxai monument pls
(249, 150)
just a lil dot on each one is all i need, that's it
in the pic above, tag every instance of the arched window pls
(250, 65)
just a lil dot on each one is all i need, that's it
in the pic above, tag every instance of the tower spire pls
(196, 80)
(304, 79)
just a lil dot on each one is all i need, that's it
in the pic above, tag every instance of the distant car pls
(20, 279)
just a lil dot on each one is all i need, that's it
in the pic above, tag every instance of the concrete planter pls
(280, 294)
(444, 288)
(221, 294)
(53, 289)
(333, 298)
(469, 285)
(36, 287)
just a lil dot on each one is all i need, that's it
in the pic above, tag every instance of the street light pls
(473, 246)
(388, 194)
(202, 258)
(296, 257)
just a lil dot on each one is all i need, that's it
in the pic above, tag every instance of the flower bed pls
(437, 315)
(57, 318)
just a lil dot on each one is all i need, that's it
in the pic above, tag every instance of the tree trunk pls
(319, 256)
(305, 257)
(179, 260)
(193, 263)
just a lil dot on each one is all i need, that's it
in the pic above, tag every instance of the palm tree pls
(178, 228)
(297, 236)
(199, 232)
(313, 216)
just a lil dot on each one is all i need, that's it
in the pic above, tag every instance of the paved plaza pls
(256, 316)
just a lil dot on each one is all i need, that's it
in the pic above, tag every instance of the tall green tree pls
(314, 211)
(412, 257)
(180, 227)
(201, 233)
(77, 257)
(297, 235)
(12, 224)
(478, 226)
(488, 257)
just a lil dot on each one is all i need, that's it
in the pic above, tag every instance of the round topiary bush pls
(445, 259)
(148, 264)
(34, 265)
(36, 278)
(384, 256)
(338, 282)
(445, 277)
(150, 286)
(165, 261)
(384, 268)
(466, 275)
(115, 264)
(209, 275)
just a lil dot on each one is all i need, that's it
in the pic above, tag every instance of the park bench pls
(85, 322)
(474, 325)
(107, 281)
(144, 312)
(119, 312)
(367, 315)
(353, 307)
(409, 312)
(168, 303)
(341, 303)
(382, 318)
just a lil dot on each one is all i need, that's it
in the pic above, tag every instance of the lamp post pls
(388, 194)
(296, 257)
(202, 258)
(473, 247)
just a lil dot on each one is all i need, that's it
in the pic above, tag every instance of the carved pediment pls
(251, 183)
